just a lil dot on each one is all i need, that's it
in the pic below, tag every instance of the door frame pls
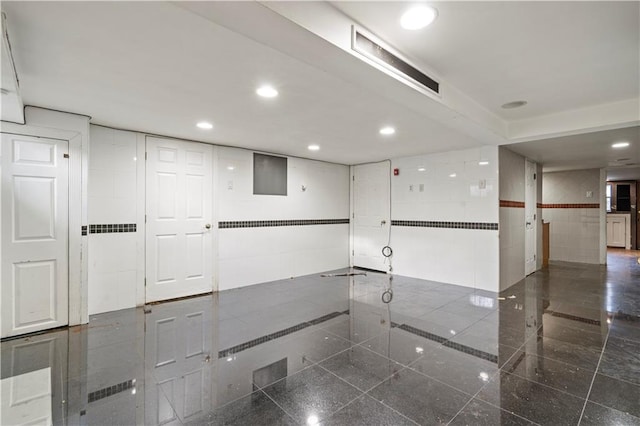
(530, 201)
(74, 128)
(141, 294)
(77, 252)
(352, 173)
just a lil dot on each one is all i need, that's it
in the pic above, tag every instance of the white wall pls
(574, 231)
(512, 224)
(245, 256)
(253, 255)
(467, 257)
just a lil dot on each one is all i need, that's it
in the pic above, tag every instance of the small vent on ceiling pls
(365, 46)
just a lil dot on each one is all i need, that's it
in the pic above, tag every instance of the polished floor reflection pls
(561, 347)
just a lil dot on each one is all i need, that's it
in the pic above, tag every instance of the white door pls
(371, 215)
(179, 254)
(616, 231)
(35, 206)
(179, 358)
(530, 217)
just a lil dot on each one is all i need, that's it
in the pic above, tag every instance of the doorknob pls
(384, 222)
(208, 226)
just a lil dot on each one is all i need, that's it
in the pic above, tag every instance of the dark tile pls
(479, 413)
(625, 326)
(622, 396)
(458, 369)
(253, 409)
(367, 411)
(559, 375)
(399, 345)
(538, 403)
(313, 391)
(597, 415)
(581, 356)
(423, 400)
(621, 359)
(361, 367)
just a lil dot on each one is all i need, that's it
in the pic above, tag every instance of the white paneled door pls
(35, 258)
(371, 215)
(530, 207)
(179, 225)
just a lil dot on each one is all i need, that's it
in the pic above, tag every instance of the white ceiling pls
(555, 55)
(161, 67)
(586, 151)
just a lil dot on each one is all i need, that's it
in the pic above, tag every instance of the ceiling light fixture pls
(514, 104)
(418, 17)
(483, 163)
(620, 145)
(421, 169)
(313, 147)
(453, 175)
(267, 92)
(205, 125)
(387, 130)
(230, 168)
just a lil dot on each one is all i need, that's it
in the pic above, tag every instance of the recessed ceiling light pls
(514, 104)
(418, 17)
(387, 130)
(620, 145)
(230, 168)
(483, 163)
(421, 169)
(313, 147)
(267, 92)
(205, 125)
(453, 175)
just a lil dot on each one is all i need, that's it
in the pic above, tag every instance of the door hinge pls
(534, 216)
(145, 218)
(145, 155)
(534, 176)
(353, 253)
(145, 281)
(65, 155)
(353, 215)
(353, 178)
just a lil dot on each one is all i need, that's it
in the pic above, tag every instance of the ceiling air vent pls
(372, 50)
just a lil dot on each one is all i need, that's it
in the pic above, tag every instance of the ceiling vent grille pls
(373, 51)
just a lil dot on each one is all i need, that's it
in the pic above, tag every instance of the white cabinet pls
(618, 230)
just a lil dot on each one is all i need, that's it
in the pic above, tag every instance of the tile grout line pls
(277, 405)
(595, 373)
(497, 373)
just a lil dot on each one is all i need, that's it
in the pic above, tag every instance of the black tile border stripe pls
(487, 226)
(272, 223)
(449, 344)
(84, 230)
(573, 317)
(111, 228)
(263, 339)
(111, 390)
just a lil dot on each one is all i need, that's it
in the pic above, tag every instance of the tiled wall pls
(112, 236)
(512, 212)
(574, 230)
(260, 238)
(269, 237)
(444, 227)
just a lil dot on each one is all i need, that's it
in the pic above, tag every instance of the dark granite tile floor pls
(560, 348)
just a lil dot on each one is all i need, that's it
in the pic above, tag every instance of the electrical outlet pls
(589, 194)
